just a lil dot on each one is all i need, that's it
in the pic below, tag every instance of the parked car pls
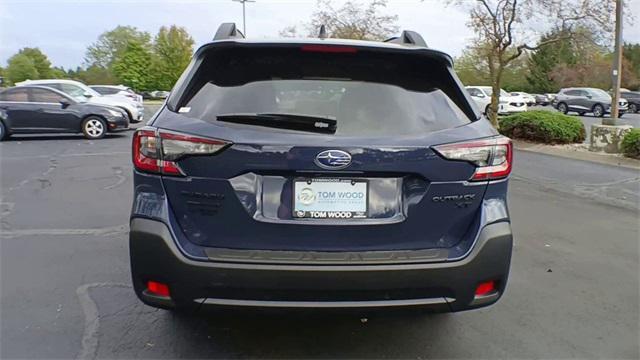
(529, 99)
(633, 98)
(40, 109)
(508, 104)
(377, 183)
(159, 94)
(82, 92)
(117, 91)
(542, 99)
(587, 100)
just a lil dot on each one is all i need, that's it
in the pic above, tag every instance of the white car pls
(530, 99)
(117, 91)
(82, 92)
(507, 104)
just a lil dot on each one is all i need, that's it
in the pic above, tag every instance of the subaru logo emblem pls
(333, 159)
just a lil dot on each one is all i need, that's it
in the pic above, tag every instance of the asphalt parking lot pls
(65, 289)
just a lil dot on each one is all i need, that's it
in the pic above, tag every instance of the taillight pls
(493, 157)
(158, 151)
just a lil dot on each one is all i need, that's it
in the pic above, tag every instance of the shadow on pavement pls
(133, 330)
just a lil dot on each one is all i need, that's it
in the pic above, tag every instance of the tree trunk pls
(496, 79)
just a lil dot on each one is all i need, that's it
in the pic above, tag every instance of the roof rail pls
(228, 31)
(408, 37)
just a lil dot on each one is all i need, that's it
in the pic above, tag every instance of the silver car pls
(587, 100)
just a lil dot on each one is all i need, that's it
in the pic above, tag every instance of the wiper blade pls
(284, 121)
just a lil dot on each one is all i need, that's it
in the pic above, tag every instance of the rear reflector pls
(486, 288)
(158, 289)
(157, 151)
(329, 49)
(493, 157)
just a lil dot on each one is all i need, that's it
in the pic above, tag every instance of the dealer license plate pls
(337, 199)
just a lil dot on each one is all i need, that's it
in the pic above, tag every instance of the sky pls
(63, 29)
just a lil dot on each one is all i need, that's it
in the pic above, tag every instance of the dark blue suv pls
(320, 173)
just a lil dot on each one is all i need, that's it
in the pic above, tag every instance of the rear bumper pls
(442, 286)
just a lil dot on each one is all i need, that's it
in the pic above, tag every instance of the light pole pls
(617, 67)
(244, 16)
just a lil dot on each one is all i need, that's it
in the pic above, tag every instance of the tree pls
(20, 67)
(172, 48)
(132, 67)
(112, 44)
(631, 53)
(94, 74)
(40, 61)
(352, 20)
(473, 69)
(502, 26)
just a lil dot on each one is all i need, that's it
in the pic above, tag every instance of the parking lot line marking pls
(91, 318)
(64, 155)
(112, 230)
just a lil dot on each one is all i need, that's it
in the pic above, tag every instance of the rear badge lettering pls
(461, 201)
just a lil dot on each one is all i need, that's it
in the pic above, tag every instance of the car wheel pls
(633, 108)
(598, 110)
(94, 127)
(3, 132)
(562, 107)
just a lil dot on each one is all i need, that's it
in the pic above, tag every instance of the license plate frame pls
(338, 207)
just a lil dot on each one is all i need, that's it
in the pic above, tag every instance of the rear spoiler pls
(407, 37)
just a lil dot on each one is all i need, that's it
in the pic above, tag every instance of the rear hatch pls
(322, 148)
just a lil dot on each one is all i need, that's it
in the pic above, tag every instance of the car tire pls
(562, 107)
(4, 134)
(94, 128)
(487, 111)
(598, 110)
(633, 108)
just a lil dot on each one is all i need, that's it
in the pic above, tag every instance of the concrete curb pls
(577, 152)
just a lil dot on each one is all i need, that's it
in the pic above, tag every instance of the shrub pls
(543, 126)
(631, 144)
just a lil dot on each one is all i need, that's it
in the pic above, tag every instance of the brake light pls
(329, 49)
(493, 157)
(158, 151)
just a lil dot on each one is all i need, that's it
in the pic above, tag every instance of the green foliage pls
(133, 66)
(20, 67)
(113, 43)
(543, 126)
(40, 61)
(172, 48)
(631, 144)
(472, 68)
(631, 53)
(95, 74)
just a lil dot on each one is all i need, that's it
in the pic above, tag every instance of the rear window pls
(367, 93)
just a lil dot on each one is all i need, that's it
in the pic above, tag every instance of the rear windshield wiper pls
(283, 121)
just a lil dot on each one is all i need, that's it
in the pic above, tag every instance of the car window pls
(474, 92)
(572, 92)
(105, 90)
(367, 94)
(72, 90)
(15, 94)
(45, 96)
